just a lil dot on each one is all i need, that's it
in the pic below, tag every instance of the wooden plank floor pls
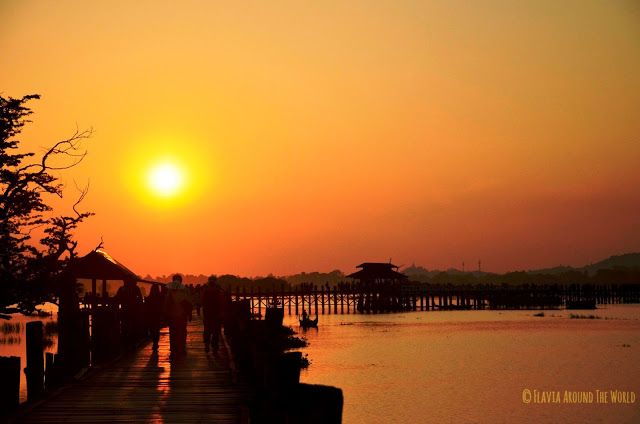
(148, 387)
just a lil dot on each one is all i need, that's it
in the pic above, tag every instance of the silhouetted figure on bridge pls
(212, 313)
(197, 298)
(129, 297)
(178, 310)
(154, 306)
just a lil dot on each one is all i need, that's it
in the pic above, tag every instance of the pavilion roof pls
(377, 265)
(377, 270)
(100, 265)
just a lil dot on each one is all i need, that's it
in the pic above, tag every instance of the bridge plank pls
(149, 387)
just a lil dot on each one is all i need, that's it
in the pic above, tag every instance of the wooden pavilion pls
(98, 265)
(378, 273)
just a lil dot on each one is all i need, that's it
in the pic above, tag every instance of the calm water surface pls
(14, 344)
(472, 366)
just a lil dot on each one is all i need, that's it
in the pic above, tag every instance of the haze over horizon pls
(252, 138)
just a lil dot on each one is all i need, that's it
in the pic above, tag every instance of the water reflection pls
(13, 341)
(472, 366)
(156, 375)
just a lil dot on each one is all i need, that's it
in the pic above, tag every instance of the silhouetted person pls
(178, 309)
(212, 310)
(197, 298)
(304, 315)
(191, 299)
(153, 310)
(129, 297)
(163, 292)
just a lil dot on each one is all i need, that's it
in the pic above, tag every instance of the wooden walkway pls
(148, 387)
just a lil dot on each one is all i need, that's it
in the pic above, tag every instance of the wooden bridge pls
(353, 298)
(147, 387)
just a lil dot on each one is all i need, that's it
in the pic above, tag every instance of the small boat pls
(309, 323)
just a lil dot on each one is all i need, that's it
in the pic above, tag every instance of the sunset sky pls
(317, 135)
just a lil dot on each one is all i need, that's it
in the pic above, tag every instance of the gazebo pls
(378, 273)
(99, 265)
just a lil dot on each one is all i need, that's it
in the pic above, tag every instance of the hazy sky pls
(318, 135)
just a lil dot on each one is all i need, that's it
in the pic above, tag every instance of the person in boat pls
(212, 312)
(304, 315)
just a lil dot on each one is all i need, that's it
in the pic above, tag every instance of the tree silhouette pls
(29, 271)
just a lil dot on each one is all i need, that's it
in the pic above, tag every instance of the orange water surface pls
(475, 366)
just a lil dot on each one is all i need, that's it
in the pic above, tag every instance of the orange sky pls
(315, 136)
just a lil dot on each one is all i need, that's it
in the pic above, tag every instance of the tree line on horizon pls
(419, 275)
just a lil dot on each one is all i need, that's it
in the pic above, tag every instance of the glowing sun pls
(165, 179)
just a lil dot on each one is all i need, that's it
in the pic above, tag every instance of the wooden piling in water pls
(9, 383)
(251, 299)
(259, 303)
(282, 299)
(35, 360)
(49, 374)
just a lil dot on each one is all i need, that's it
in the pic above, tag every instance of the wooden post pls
(94, 294)
(259, 304)
(83, 338)
(35, 360)
(295, 295)
(335, 299)
(315, 296)
(9, 383)
(105, 295)
(282, 298)
(49, 377)
(321, 300)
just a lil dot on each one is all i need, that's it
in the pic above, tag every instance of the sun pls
(165, 179)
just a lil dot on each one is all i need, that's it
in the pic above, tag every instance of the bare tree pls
(28, 269)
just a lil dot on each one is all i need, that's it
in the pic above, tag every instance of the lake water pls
(13, 343)
(465, 366)
(475, 366)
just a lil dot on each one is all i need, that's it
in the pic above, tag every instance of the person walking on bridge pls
(178, 310)
(212, 310)
(154, 305)
(129, 297)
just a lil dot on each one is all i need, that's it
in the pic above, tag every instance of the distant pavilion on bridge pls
(378, 273)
